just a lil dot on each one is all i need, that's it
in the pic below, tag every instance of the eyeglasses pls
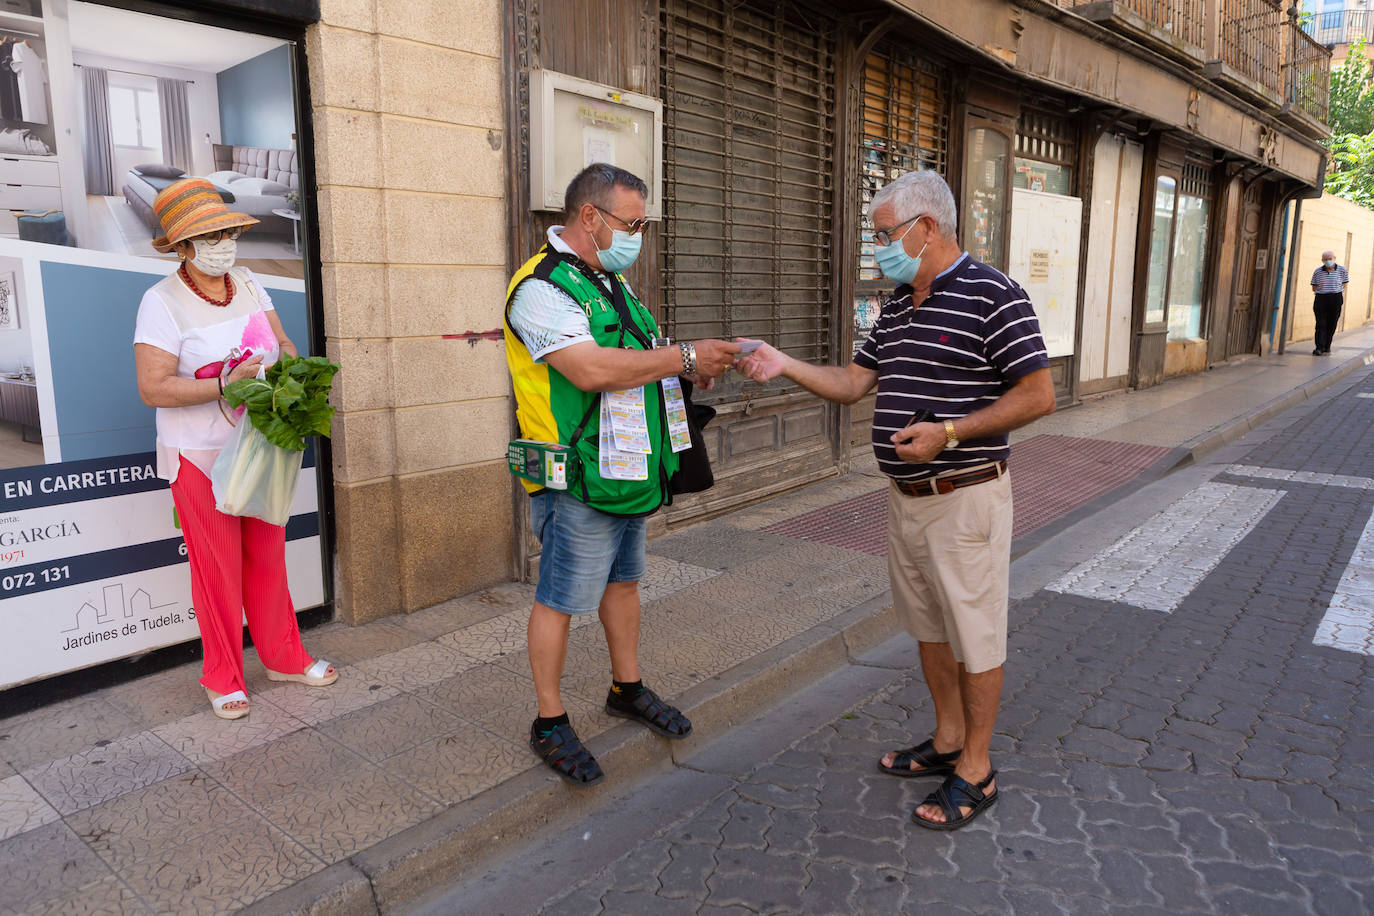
(218, 235)
(883, 236)
(634, 227)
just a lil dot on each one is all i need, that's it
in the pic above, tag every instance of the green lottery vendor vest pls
(550, 408)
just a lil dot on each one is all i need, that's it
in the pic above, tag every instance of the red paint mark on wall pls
(473, 336)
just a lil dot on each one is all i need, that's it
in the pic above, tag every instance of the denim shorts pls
(582, 550)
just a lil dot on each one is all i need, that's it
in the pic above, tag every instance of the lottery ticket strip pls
(413, 769)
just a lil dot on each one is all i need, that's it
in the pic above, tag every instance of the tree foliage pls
(1350, 168)
(1352, 94)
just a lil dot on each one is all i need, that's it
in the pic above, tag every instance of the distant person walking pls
(1328, 285)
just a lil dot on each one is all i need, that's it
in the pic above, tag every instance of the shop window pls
(106, 107)
(1189, 270)
(905, 127)
(1161, 249)
(1045, 152)
(988, 150)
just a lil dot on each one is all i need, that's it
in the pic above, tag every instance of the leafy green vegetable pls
(292, 403)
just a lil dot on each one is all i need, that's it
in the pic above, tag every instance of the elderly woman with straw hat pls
(202, 327)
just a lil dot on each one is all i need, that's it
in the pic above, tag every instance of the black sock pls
(627, 690)
(543, 725)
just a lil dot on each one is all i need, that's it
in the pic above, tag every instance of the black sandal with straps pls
(566, 755)
(651, 712)
(933, 763)
(955, 793)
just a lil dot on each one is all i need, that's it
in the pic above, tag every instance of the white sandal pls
(219, 701)
(314, 676)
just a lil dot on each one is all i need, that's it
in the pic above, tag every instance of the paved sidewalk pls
(413, 767)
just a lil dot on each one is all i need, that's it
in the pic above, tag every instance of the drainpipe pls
(1278, 278)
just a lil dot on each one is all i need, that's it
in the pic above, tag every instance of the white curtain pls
(99, 156)
(176, 123)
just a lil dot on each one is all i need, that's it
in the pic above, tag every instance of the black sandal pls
(651, 712)
(932, 762)
(953, 794)
(567, 756)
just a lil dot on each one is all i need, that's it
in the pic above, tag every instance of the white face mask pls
(215, 258)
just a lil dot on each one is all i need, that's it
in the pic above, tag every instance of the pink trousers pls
(238, 567)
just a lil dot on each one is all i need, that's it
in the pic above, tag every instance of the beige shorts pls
(949, 557)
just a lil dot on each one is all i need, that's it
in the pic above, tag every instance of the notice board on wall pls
(1045, 234)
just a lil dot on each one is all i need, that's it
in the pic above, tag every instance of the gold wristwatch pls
(951, 440)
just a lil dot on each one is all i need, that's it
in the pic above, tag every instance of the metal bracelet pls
(689, 358)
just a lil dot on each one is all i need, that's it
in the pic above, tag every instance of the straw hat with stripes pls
(191, 207)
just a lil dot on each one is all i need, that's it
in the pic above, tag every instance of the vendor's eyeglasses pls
(218, 235)
(885, 238)
(634, 227)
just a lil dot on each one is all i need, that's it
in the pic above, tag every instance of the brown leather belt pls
(933, 486)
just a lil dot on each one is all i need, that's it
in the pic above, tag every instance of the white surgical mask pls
(215, 258)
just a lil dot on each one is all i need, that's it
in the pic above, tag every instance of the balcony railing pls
(1340, 27)
(1184, 19)
(1307, 74)
(1251, 34)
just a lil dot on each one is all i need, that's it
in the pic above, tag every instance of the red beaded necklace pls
(228, 288)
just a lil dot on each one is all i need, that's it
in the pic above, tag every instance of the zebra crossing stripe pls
(1159, 564)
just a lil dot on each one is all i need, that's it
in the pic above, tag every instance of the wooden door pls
(1243, 335)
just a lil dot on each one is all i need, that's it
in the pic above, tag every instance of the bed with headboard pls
(251, 179)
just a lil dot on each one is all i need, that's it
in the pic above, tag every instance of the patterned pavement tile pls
(755, 632)
(476, 693)
(227, 869)
(497, 638)
(717, 546)
(457, 766)
(106, 897)
(334, 820)
(388, 728)
(313, 705)
(445, 618)
(263, 774)
(106, 771)
(154, 819)
(744, 587)
(417, 666)
(204, 737)
(664, 576)
(345, 645)
(161, 698)
(61, 730)
(45, 863)
(22, 808)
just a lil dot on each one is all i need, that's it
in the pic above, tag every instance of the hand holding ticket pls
(759, 361)
(747, 346)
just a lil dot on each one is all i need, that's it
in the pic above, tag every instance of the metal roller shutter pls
(748, 139)
(749, 113)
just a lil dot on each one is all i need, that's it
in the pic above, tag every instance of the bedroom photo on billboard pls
(100, 109)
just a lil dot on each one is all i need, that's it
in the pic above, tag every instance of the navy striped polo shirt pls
(1330, 281)
(965, 345)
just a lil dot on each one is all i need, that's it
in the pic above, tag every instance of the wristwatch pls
(951, 440)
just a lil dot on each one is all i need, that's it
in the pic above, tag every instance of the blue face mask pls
(624, 249)
(896, 264)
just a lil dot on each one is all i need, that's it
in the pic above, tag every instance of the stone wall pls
(409, 136)
(1333, 223)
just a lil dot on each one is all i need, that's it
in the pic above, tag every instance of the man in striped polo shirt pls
(1328, 285)
(959, 362)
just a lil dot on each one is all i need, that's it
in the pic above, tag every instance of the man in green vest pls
(591, 372)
